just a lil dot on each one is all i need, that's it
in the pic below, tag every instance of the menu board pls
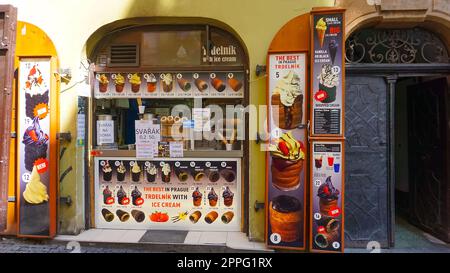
(327, 74)
(287, 161)
(168, 193)
(169, 85)
(34, 147)
(327, 196)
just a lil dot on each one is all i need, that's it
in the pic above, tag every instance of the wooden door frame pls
(8, 43)
(392, 72)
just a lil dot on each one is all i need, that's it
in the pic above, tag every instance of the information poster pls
(169, 84)
(327, 196)
(327, 98)
(33, 147)
(175, 194)
(287, 156)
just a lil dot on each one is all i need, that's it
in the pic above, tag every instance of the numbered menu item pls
(189, 193)
(286, 192)
(288, 156)
(327, 67)
(287, 87)
(169, 84)
(327, 196)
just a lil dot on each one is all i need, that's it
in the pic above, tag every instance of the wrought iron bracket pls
(66, 136)
(66, 200)
(259, 205)
(260, 70)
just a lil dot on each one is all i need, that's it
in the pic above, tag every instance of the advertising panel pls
(287, 156)
(327, 74)
(163, 193)
(34, 146)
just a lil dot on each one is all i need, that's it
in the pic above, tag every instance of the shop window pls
(168, 48)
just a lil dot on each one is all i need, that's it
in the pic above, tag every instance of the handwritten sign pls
(105, 132)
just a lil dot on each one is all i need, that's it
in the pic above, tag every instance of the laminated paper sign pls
(327, 196)
(147, 137)
(147, 132)
(105, 132)
(287, 158)
(327, 74)
(33, 147)
(173, 194)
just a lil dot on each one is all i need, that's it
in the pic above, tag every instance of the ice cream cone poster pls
(33, 146)
(184, 194)
(327, 73)
(327, 196)
(287, 87)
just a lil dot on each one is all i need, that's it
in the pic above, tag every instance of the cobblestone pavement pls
(22, 245)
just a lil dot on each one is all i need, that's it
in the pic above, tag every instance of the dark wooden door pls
(8, 22)
(366, 177)
(428, 157)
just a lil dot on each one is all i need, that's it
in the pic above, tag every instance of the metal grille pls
(398, 46)
(123, 55)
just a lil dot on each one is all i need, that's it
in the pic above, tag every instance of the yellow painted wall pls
(70, 23)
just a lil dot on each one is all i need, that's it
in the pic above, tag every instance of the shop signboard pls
(287, 156)
(327, 195)
(35, 194)
(168, 193)
(327, 73)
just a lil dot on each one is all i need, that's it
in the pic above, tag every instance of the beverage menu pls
(327, 74)
(327, 195)
(184, 194)
(169, 85)
(287, 156)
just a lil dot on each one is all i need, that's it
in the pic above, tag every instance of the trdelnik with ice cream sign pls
(327, 74)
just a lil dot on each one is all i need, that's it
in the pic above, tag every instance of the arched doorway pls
(396, 116)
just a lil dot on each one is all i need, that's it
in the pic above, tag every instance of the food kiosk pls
(164, 152)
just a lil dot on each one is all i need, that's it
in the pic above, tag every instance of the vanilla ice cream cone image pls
(35, 191)
(321, 28)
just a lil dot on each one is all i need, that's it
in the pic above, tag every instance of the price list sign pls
(327, 74)
(327, 196)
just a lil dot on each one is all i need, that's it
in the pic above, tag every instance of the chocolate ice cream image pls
(107, 194)
(121, 196)
(329, 196)
(136, 197)
(332, 48)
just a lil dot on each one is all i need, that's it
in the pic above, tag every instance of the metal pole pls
(391, 80)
